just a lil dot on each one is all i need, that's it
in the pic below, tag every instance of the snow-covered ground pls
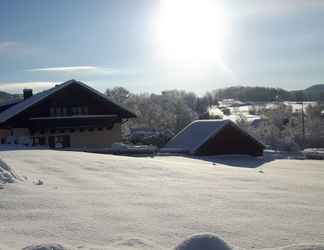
(96, 201)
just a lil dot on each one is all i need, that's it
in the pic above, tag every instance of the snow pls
(106, 202)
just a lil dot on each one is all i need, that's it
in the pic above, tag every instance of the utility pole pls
(303, 122)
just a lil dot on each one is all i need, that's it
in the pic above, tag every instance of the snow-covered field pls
(96, 201)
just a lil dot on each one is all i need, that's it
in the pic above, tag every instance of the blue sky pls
(113, 43)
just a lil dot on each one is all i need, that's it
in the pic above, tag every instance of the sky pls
(154, 45)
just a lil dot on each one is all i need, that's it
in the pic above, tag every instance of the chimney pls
(28, 93)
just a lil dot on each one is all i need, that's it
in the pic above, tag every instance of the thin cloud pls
(17, 87)
(14, 48)
(80, 70)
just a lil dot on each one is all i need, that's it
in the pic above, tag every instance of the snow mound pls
(45, 247)
(6, 173)
(205, 241)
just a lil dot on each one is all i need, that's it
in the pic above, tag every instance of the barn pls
(214, 137)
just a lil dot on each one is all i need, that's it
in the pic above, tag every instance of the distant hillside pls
(264, 94)
(254, 94)
(315, 88)
(4, 96)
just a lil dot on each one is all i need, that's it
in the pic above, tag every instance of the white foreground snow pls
(95, 201)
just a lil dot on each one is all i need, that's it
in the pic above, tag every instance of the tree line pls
(280, 128)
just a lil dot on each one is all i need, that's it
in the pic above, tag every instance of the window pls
(64, 111)
(38, 141)
(74, 110)
(85, 110)
(58, 111)
(52, 112)
(59, 139)
(80, 110)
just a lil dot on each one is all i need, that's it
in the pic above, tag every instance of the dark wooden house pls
(71, 114)
(214, 137)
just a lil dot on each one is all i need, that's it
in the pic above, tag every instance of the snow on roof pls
(21, 106)
(10, 101)
(196, 134)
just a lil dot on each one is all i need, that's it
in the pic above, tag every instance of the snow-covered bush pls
(6, 174)
(282, 129)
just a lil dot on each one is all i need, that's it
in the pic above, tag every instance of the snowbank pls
(6, 173)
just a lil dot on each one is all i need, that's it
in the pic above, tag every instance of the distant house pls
(214, 137)
(71, 114)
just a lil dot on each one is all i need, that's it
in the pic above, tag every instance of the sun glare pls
(191, 31)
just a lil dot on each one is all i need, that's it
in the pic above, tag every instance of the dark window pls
(39, 140)
(59, 139)
(62, 130)
(64, 111)
(74, 110)
(79, 112)
(58, 111)
(52, 131)
(52, 112)
(90, 129)
(72, 130)
(81, 129)
(85, 111)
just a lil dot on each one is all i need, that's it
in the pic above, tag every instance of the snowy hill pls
(95, 201)
(4, 97)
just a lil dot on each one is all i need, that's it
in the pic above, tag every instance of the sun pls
(191, 31)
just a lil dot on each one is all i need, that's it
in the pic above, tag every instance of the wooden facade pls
(64, 115)
(231, 140)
